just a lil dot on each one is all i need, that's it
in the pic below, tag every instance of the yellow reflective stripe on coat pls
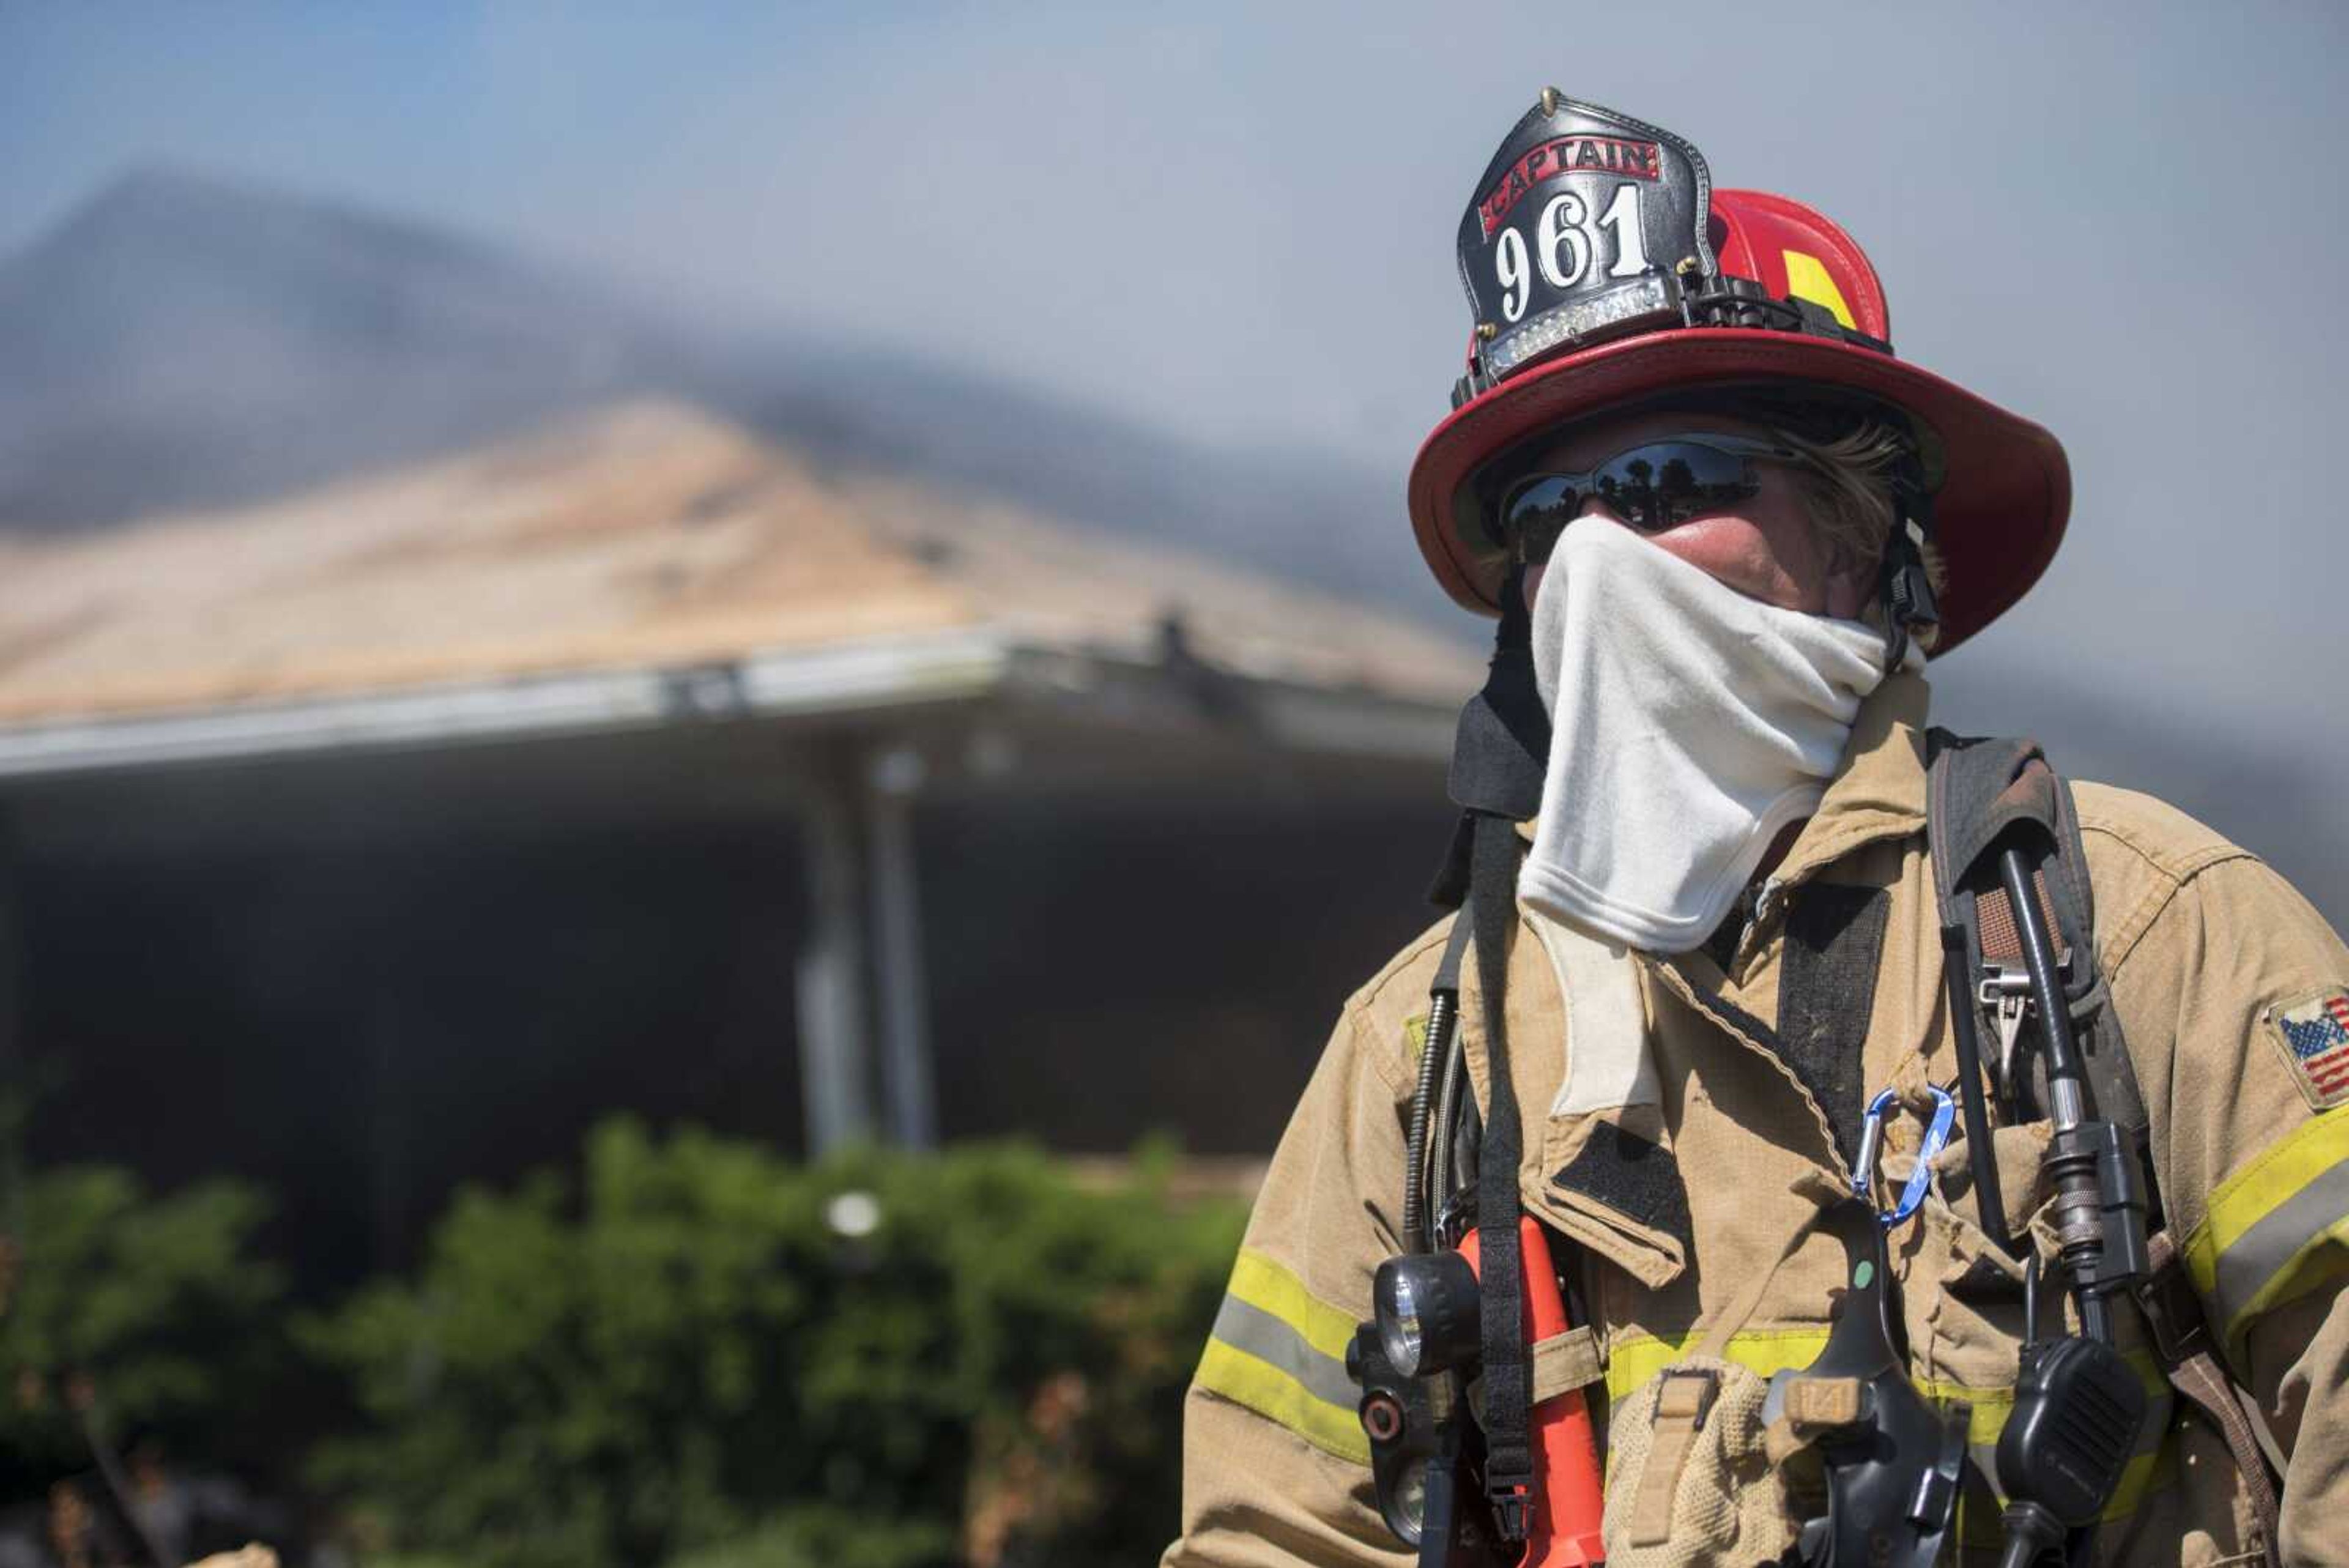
(1280, 1351)
(1766, 1352)
(1632, 1363)
(2275, 1230)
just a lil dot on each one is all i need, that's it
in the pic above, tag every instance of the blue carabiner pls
(1872, 1139)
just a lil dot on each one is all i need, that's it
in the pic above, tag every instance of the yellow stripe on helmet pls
(1807, 278)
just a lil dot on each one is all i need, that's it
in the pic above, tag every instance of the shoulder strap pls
(1976, 791)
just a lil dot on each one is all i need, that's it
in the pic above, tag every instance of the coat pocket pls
(1690, 1479)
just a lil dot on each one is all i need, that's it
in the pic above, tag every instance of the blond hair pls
(1848, 482)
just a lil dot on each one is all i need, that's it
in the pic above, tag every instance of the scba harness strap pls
(1981, 794)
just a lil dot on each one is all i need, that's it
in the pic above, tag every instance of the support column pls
(901, 984)
(384, 934)
(387, 1129)
(835, 1034)
(15, 1088)
(12, 979)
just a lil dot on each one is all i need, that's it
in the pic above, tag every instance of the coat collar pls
(1878, 789)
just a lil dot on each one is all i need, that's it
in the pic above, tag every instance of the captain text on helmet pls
(1815, 1137)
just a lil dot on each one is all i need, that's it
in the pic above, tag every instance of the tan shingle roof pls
(647, 534)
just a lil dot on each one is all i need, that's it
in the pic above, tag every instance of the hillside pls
(182, 340)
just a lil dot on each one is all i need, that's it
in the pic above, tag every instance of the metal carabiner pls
(1871, 1140)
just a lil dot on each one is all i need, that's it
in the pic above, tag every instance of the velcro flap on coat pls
(1615, 1187)
(1562, 1364)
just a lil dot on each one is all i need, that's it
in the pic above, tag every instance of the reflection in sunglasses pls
(1655, 485)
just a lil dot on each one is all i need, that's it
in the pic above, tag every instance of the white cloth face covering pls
(1689, 724)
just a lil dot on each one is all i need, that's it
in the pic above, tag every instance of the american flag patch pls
(2314, 1034)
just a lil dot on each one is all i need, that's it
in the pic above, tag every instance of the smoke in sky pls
(1234, 224)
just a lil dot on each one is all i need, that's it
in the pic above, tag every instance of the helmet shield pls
(1585, 227)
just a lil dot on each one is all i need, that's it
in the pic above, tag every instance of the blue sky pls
(1212, 185)
(1236, 221)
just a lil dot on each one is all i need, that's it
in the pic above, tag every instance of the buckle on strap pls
(1513, 1510)
(2174, 1318)
(1688, 1396)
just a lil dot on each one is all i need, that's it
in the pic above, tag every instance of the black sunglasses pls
(1653, 486)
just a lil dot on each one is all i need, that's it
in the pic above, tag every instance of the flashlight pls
(1427, 1308)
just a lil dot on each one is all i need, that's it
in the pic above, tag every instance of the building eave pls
(869, 677)
(780, 684)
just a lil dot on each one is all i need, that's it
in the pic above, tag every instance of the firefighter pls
(1724, 527)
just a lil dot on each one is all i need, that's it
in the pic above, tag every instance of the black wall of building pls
(1099, 973)
(365, 1017)
(360, 1029)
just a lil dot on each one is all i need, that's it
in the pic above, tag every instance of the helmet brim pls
(1998, 517)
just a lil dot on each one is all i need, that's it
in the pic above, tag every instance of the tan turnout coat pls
(2204, 947)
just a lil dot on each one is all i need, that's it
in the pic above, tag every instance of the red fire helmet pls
(1594, 290)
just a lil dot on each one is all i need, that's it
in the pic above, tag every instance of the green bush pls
(155, 1308)
(686, 1355)
(821, 1535)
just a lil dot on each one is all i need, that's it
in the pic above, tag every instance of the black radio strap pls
(1507, 1367)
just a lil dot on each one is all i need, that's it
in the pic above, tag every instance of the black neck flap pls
(1500, 755)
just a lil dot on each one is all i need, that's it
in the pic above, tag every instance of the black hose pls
(1444, 1176)
(2067, 1091)
(1435, 1046)
(2048, 990)
(1981, 1156)
(2031, 1300)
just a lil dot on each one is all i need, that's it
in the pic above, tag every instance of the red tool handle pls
(1569, 1499)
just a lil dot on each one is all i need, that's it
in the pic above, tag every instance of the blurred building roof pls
(587, 569)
